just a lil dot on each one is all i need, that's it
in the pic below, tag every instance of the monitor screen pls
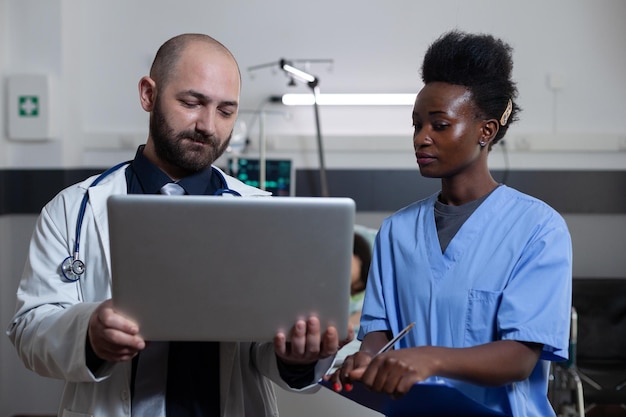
(279, 178)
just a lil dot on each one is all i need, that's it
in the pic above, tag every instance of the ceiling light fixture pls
(346, 99)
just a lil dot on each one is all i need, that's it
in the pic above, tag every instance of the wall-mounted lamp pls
(305, 77)
(346, 99)
(296, 74)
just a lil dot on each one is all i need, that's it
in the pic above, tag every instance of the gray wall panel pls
(594, 192)
(388, 190)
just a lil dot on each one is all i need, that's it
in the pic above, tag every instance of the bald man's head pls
(168, 55)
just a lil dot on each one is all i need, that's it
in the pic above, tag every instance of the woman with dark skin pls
(483, 270)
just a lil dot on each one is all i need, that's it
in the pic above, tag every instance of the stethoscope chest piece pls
(72, 269)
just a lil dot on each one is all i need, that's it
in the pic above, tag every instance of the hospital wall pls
(569, 148)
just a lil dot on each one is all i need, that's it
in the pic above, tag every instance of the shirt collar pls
(152, 178)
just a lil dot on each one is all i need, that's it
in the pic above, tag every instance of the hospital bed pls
(594, 379)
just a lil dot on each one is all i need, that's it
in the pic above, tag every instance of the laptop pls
(208, 268)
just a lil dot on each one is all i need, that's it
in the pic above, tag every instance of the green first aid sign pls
(28, 106)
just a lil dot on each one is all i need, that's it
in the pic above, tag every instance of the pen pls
(393, 341)
(389, 345)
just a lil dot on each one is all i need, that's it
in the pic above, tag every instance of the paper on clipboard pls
(425, 399)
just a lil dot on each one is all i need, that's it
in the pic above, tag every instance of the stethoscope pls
(72, 267)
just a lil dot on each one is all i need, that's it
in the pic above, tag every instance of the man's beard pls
(169, 145)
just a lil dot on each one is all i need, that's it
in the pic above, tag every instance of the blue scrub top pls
(506, 275)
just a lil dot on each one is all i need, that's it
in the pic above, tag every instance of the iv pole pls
(259, 115)
(312, 82)
(320, 149)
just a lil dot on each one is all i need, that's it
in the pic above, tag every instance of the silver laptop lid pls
(230, 269)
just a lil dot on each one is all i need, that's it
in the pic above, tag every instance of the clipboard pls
(425, 399)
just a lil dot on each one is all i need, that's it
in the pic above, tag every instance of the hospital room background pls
(85, 59)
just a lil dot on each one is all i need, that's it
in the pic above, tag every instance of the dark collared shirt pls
(193, 367)
(143, 177)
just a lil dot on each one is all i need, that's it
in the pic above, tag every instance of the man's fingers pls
(110, 319)
(112, 336)
(313, 336)
(297, 344)
(329, 344)
(349, 338)
(280, 344)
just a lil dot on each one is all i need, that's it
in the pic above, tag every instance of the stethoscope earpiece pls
(72, 268)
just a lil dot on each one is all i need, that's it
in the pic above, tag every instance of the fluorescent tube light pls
(349, 99)
(303, 76)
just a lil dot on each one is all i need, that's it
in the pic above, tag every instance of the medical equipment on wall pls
(313, 83)
(73, 267)
(236, 152)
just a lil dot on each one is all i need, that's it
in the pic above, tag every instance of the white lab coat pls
(49, 329)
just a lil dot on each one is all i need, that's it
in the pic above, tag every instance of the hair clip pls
(507, 113)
